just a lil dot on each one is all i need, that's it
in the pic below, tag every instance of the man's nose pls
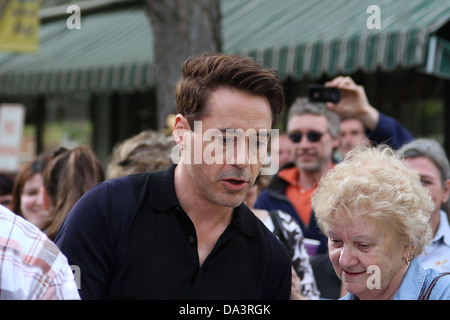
(242, 154)
(304, 142)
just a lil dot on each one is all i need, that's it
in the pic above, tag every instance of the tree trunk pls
(181, 28)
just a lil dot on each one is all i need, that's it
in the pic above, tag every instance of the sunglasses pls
(312, 136)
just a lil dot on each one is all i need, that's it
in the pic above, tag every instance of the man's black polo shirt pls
(132, 240)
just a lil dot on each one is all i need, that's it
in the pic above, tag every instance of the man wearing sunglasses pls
(314, 132)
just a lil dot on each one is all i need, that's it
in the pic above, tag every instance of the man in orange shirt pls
(314, 130)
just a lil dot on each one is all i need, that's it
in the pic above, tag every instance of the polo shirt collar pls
(245, 220)
(290, 175)
(162, 189)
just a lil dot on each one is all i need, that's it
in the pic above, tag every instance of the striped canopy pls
(113, 51)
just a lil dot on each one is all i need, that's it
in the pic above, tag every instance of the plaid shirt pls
(31, 266)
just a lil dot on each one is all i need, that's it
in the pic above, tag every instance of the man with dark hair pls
(184, 233)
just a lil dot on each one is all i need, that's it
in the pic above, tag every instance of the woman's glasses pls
(312, 136)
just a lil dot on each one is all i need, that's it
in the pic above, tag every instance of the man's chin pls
(231, 201)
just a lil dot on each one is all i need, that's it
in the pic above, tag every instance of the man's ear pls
(180, 128)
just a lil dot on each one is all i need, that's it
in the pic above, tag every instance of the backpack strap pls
(278, 229)
(425, 295)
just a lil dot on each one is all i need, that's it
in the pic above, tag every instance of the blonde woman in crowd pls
(147, 151)
(375, 213)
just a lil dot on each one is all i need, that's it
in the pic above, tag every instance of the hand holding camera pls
(352, 100)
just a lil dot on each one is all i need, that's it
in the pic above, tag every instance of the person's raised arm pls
(354, 102)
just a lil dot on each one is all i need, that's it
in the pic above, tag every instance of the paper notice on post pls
(12, 117)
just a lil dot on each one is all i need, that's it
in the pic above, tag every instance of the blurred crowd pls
(318, 137)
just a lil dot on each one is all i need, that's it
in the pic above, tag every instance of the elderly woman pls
(376, 215)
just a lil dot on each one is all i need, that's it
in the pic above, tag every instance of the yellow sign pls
(19, 25)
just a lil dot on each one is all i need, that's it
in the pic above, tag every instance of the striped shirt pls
(31, 266)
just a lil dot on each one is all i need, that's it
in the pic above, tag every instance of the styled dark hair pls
(204, 73)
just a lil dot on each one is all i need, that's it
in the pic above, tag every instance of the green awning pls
(113, 51)
(315, 38)
(438, 60)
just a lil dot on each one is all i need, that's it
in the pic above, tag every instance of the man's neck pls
(309, 179)
(199, 209)
(210, 219)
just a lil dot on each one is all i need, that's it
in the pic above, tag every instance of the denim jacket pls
(437, 254)
(417, 279)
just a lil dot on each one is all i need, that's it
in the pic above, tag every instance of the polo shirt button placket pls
(191, 239)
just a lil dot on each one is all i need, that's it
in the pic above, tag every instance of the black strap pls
(278, 229)
(425, 295)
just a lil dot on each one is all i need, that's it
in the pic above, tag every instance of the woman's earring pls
(408, 259)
